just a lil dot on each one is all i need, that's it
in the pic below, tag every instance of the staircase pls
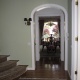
(9, 70)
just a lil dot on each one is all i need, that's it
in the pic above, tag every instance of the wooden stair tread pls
(3, 56)
(9, 70)
(23, 65)
(7, 65)
(13, 72)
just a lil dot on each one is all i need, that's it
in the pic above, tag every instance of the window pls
(50, 28)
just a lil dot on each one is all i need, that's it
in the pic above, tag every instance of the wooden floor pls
(44, 70)
(49, 67)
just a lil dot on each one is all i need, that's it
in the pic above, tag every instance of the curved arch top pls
(44, 6)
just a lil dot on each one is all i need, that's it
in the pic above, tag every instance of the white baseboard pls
(30, 68)
(8, 58)
(18, 63)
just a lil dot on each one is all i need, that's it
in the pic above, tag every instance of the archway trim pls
(41, 7)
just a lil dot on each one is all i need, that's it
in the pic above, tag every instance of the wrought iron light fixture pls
(28, 21)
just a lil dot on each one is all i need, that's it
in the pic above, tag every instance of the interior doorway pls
(64, 39)
(49, 40)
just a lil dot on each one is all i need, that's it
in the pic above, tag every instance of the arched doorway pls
(33, 36)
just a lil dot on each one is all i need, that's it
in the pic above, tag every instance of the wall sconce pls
(27, 21)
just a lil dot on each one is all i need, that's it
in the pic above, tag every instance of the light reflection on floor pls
(53, 67)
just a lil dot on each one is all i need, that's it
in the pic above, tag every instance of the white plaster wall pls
(78, 76)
